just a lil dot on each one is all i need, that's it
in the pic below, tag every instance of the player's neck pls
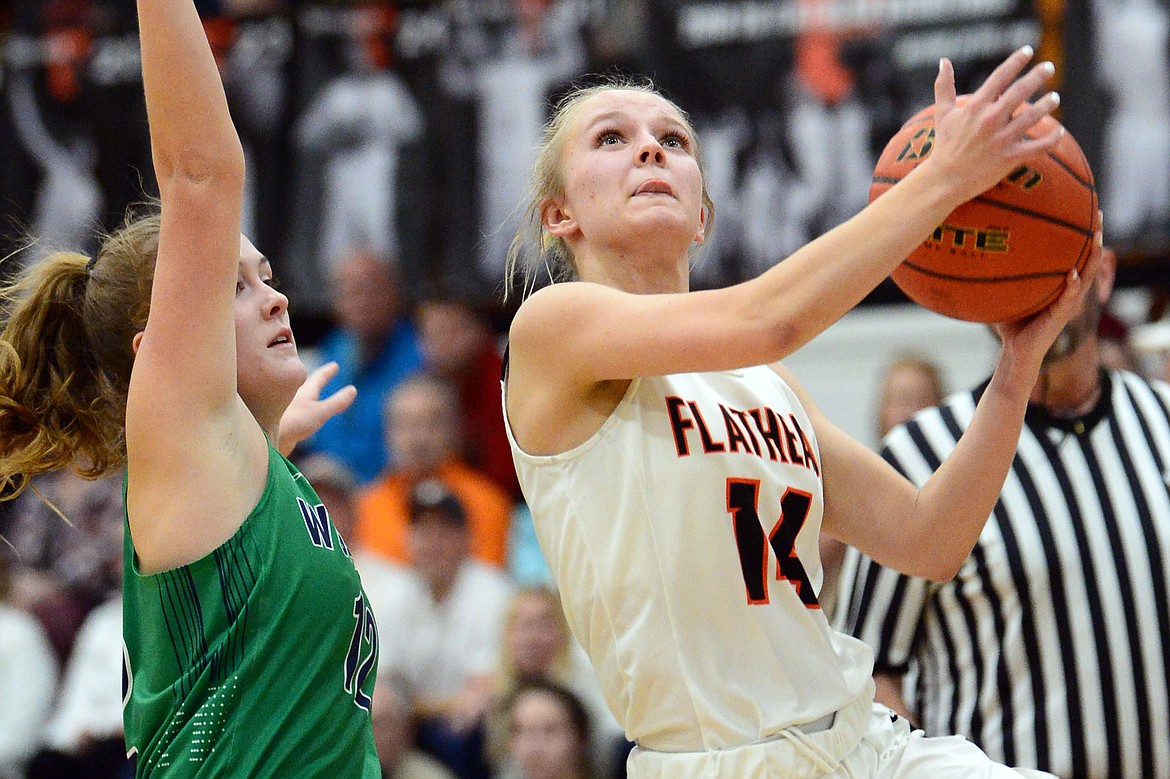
(637, 274)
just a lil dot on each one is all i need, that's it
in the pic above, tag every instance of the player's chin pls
(284, 369)
(297, 372)
(667, 219)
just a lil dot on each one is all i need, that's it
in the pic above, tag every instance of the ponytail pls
(58, 407)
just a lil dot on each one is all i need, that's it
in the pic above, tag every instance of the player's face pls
(268, 369)
(631, 171)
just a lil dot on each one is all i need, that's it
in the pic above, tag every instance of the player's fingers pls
(1078, 283)
(1028, 145)
(1022, 89)
(321, 375)
(944, 90)
(339, 401)
(1003, 75)
(1031, 113)
(1096, 259)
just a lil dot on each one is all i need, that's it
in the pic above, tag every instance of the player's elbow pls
(927, 558)
(219, 166)
(940, 566)
(780, 336)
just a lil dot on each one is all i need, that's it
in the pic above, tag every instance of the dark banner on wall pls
(409, 127)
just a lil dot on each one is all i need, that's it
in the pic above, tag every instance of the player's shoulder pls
(564, 299)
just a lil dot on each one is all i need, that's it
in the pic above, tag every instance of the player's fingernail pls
(1027, 51)
(1048, 67)
(940, 64)
(1054, 98)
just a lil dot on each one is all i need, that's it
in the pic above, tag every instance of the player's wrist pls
(937, 188)
(1014, 376)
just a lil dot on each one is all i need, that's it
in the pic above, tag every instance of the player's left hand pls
(308, 410)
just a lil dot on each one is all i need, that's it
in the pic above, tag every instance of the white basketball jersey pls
(683, 539)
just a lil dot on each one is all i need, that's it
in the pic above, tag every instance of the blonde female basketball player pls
(678, 485)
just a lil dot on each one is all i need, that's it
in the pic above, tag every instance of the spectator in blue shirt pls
(375, 346)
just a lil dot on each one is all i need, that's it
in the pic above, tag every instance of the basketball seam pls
(1088, 183)
(1035, 214)
(983, 279)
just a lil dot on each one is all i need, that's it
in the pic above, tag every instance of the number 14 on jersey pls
(752, 543)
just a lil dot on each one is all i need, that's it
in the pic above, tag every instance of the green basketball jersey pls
(257, 660)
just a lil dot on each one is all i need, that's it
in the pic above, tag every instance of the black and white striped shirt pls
(1051, 647)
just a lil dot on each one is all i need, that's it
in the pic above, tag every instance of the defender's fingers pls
(322, 375)
(341, 400)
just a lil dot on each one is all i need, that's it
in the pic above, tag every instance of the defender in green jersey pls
(250, 646)
(257, 659)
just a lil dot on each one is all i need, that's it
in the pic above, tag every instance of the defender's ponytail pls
(66, 353)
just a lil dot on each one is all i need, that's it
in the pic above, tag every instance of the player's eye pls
(608, 137)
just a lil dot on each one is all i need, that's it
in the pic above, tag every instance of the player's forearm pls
(182, 81)
(955, 503)
(823, 280)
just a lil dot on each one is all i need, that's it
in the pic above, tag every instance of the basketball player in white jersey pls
(678, 484)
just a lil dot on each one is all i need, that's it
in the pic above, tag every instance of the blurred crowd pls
(407, 127)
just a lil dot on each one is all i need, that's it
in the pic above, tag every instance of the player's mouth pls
(283, 338)
(654, 187)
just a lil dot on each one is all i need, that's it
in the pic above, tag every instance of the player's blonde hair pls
(65, 356)
(533, 248)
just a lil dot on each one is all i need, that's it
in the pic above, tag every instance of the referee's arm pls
(883, 608)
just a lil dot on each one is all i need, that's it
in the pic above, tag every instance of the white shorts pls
(865, 740)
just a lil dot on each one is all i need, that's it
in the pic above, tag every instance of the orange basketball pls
(1004, 254)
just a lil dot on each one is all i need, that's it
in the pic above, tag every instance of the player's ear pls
(136, 341)
(556, 219)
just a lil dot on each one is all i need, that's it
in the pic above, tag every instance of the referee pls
(1051, 647)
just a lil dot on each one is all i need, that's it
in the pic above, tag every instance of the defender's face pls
(268, 369)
